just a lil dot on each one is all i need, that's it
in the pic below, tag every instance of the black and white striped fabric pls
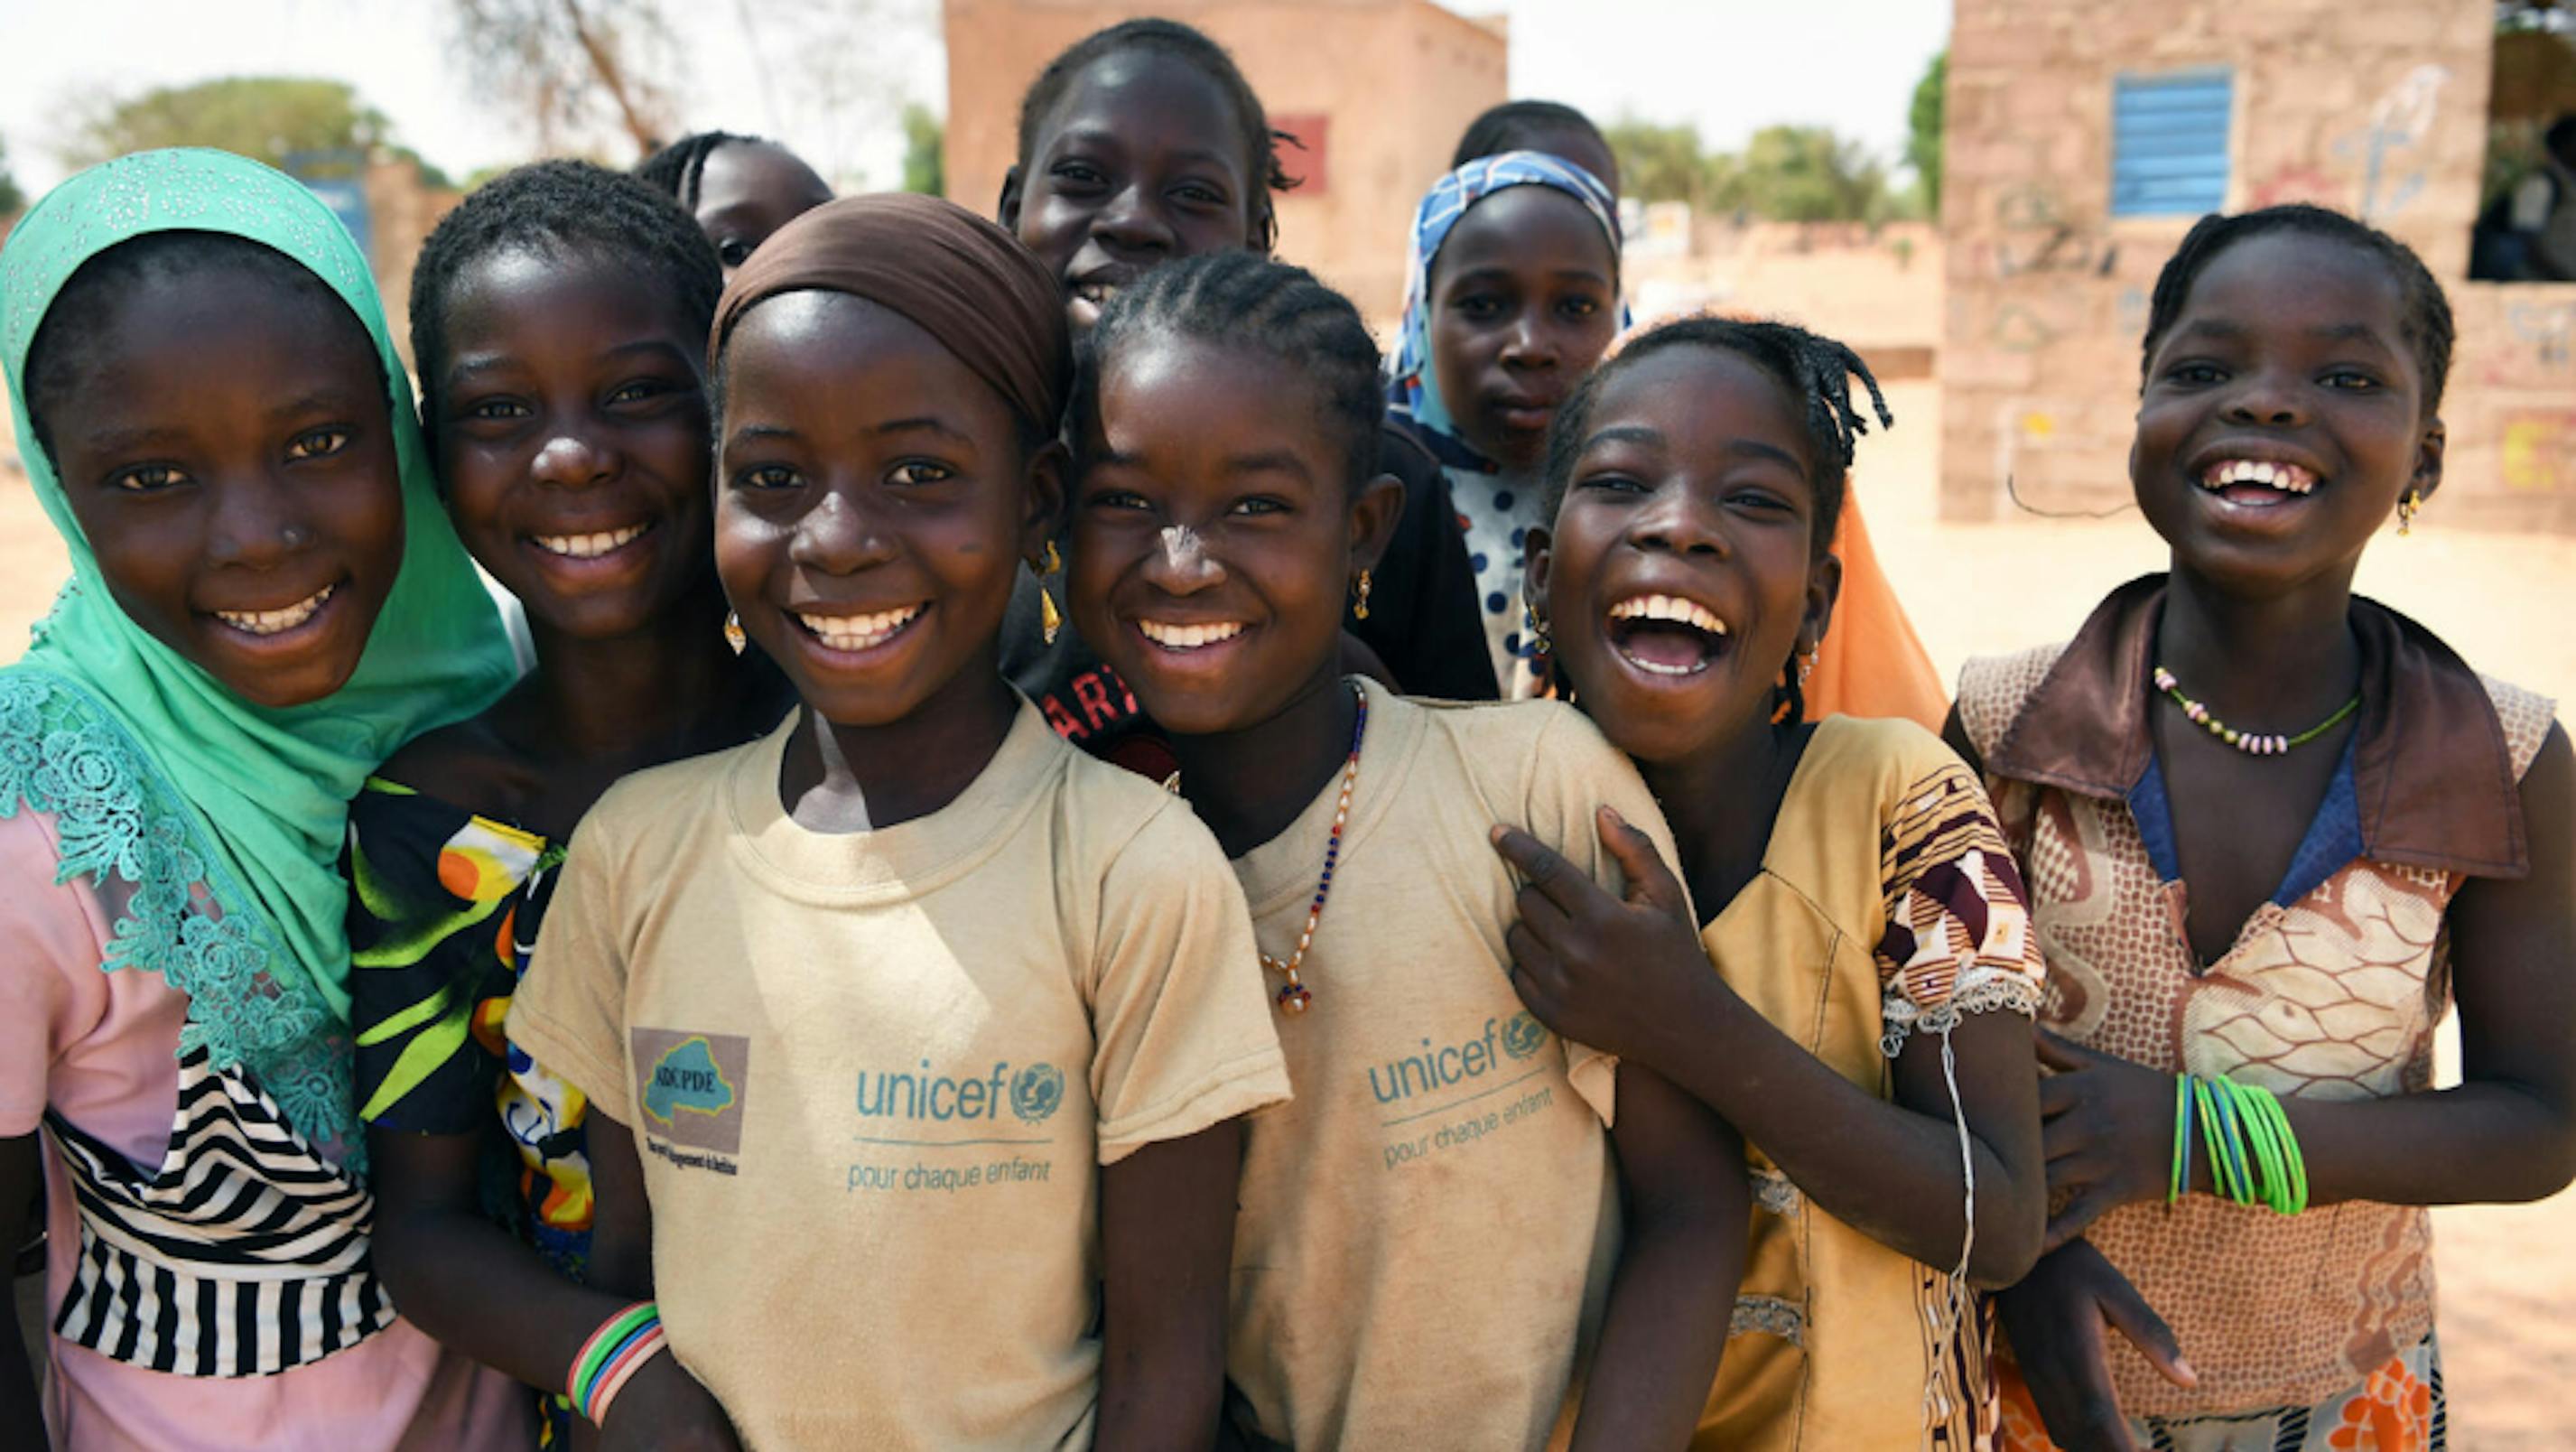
(245, 1255)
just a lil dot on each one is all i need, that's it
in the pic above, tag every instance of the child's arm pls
(1632, 979)
(2054, 1320)
(1167, 1244)
(22, 1178)
(1681, 1171)
(663, 1408)
(2506, 1133)
(464, 1280)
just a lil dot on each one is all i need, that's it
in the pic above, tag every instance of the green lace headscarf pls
(223, 818)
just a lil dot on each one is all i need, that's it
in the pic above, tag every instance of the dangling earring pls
(1535, 630)
(2406, 508)
(1359, 611)
(1050, 619)
(1807, 665)
(733, 631)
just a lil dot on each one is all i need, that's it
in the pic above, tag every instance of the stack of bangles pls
(611, 1357)
(2253, 1156)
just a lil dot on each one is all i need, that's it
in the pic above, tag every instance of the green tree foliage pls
(267, 118)
(1808, 174)
(1923, 144)
(1661, 163)
(13, 200)
(1788, 173)
(925, 166)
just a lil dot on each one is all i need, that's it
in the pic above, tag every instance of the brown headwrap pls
(964, 280)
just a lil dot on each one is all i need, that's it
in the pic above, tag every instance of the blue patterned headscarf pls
(1413, 385)
(1493, 516)
(223, 819)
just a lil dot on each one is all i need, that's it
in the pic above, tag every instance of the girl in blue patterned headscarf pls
(1532, 337)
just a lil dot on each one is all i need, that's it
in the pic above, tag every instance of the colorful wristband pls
(618, 1333)
(620, 1370)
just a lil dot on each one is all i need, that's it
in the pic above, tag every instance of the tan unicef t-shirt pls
(870, 1075)
(1428, 1228)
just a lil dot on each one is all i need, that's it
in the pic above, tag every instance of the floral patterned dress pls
(443, 914)
(2331, 990)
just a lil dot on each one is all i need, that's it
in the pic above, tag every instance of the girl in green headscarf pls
(265, 601)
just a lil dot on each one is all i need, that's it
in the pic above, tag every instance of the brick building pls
(2084, 137)
(1378, 90)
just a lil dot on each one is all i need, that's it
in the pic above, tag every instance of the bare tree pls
(573, 64)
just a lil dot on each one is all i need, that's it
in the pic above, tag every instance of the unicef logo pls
(1036, 1092)
(1523, 1036)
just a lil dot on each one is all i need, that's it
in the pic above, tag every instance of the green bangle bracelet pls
(2274, 1191)
(2248, 1193)
(2210, 1128)
(2295, 1198)
(2182, 1139)
(2228, 1149)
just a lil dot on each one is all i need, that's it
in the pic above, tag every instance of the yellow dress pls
(1886, 905)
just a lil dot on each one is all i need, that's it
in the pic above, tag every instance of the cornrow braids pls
(77, 322)
(2424, 319)
(561, 207)
(1192, 48)
(1815, 370)
(1244, 300)
(679, 168)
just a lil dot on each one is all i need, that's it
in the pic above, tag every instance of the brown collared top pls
(2331, 989)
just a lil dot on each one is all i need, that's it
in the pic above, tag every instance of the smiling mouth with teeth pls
(1189, 637)
(273, 622)
(590, 546)
(1666, 635)
(2256, 481)
(859, 632)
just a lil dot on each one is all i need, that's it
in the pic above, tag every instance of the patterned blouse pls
(1887, 906)
(443, 914)
(2331, 989)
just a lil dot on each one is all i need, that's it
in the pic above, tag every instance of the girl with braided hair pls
(1866, 1026)
(739, 188)
(2274, 829)
(1449, 1180)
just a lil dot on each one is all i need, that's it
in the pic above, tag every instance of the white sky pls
(1729, 66)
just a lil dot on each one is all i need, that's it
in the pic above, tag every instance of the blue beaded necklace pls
(1294, 996)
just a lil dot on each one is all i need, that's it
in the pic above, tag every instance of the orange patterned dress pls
(2311, 1332)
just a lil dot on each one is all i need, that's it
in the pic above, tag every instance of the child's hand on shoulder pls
(2107, 1126)
(1624, 975)
(2054, 1319)
(664, 1409)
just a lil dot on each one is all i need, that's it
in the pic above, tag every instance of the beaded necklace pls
(2251, 743)
(1294, 996)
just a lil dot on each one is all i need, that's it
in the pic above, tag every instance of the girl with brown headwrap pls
(860, 1006)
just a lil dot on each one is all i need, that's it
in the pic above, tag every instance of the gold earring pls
(733, 631)
(1359, 611)
(1536, 630)
(1050, 619)
(2406, 508)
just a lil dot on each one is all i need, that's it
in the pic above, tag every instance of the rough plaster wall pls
(2375, 107)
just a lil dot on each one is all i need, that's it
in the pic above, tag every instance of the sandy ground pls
(2508, 1274)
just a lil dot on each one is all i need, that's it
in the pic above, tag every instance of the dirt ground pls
(2508, 1274)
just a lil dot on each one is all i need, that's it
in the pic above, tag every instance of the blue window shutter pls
(2169, 143)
